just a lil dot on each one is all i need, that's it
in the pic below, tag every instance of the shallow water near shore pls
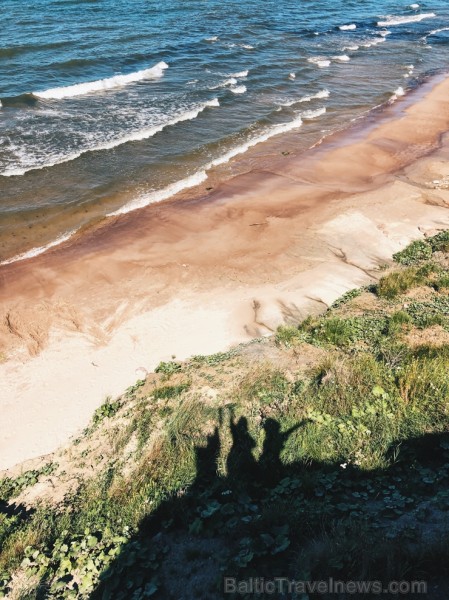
(107, 107)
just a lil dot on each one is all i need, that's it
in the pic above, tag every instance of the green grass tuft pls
(288, 335)
(398, 282)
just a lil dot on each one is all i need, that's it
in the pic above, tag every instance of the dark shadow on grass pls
(304, 520)
(15, 510)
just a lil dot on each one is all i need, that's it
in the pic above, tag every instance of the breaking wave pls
(102, 85)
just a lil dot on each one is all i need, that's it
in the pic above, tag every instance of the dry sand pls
(198, 274)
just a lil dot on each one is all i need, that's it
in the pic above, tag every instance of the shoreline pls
(184, 277)
(214, 173)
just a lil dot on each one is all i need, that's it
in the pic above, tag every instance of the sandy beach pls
(209, 269)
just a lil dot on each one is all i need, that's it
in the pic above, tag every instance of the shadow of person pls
(206, 458)
(226, 523)
(271, 469)
(206, 478)
(241, 464)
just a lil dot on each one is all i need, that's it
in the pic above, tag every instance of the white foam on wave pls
(436, 31)
(350, 27)
(414, 6)
(263, 137)
(40, 250)
(410, 69)
(394, 20)
(247, 46)
(397, 94)
(350, 48)
(374, 42)
(239, 89)
(318, 96)
(159, 195)
(342, 58)
(319, 61)
(136, 136)
(226, 83)
(214, 38)
(239, 75)
(292, 76)
(102, 85)
(313, 114)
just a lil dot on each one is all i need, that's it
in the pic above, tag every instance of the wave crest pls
(313, 114)
(159, 195)
(239, 89)
(393, 20)
(318, 96)
(102, 85)
(240, 74)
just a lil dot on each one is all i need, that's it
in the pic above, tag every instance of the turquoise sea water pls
(109, 105)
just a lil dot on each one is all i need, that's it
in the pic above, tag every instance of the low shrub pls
(335, 331)
(105, 411)
(441, 283)
(440, 241)
(168, 368)
(415, 252)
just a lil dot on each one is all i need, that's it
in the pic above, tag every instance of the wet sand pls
(206, 270)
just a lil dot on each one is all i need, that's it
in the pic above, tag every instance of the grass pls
(424, 388)
(399, 322)
(170, 391)
(399, 282)
(289, 467)
(287, 335)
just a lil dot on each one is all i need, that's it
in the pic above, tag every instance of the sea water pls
(108, 106)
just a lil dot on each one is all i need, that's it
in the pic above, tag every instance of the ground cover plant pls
(279, 458)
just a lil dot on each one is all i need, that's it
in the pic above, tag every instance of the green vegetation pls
(398, 282)
(170, 391)
(105, 411)
(280, 459)
(12, 487)
(414, 253)
(287, 335)
(168, 368)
